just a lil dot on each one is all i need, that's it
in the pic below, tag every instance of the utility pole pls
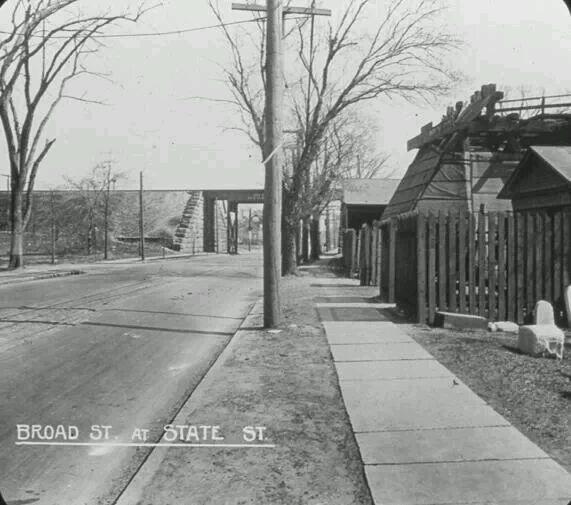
(250, 231)
(106, 248)
(273, 145)
(141, 217)
(53, 226)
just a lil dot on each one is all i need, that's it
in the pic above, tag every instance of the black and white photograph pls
(285, 252)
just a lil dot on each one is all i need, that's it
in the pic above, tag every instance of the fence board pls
(529, 253)
(520, 267)
(492, 284)
(442, 280)
(462, 255)
(538, 257)
(392, 256)
(431, 267)
(510, 268)
(379, 254)
(557, 257)
(471, 264)
(501, 267)
(374, 236)
(566, 267)
(421, 267)
(452, 252)
(482, 264)
(548, 258)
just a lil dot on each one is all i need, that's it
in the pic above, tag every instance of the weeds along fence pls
(496, 265)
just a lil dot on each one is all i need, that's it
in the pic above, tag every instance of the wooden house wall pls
(556, 199)
(489, 173)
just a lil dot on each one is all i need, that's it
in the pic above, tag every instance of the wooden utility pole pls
(53, 226)
(106, 237)
(273, 149)
(274, 160)
(141, 217)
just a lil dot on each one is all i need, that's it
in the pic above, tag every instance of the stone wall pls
(189, 233)
(162, 212)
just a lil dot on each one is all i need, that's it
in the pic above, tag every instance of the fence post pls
(373, 248)
(462, 254)
(362, 255)
(392, 259)
(431, 240)
(421, 268)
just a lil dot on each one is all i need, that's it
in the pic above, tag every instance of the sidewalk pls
(284, 382)
(425, 438)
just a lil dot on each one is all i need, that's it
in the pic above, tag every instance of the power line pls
(168, 33)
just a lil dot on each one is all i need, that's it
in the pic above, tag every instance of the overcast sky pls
(149, 124)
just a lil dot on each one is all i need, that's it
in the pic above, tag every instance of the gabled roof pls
(557, 157)
(417, 177)
(368, 191)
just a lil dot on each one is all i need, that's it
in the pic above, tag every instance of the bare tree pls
(90, 205)
(44, 51)
(335, 72)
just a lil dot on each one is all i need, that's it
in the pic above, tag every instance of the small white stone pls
(492, 327)
(541, 340)
(544, 313)
(567, 297)
(507, 327)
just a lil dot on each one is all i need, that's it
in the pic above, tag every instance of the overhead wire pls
(172, 32)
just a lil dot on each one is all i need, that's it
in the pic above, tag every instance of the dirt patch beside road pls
(286, 383)
(534, 394)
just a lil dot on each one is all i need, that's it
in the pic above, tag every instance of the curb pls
(39, 277)
(144, 472)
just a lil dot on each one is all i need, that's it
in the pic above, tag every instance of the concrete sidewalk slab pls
(391, 370)
(367, 332)
(513, 482)
(334, 313)
(353, 305)
(415, 404)
(446, 445)
(346, 299)
(379, 352)
(425, 438)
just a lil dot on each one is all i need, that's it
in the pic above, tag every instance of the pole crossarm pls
(287, 10)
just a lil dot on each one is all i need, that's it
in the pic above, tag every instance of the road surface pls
(120, 346)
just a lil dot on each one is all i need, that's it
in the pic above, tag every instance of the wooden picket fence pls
(350, 256)
(496, 265)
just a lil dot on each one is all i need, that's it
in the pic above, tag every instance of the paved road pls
(122, 346)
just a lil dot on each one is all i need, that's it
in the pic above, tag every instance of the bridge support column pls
(232, 222)
(209, 235)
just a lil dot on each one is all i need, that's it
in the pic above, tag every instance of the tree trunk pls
(305, 241)
(315, 237)
(17, 238)
(289, 249)
(298, 239)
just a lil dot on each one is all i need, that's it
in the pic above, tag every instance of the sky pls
(149, 123)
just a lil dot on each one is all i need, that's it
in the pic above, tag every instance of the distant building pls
(542, 180)
(463, 162)
(365, 200)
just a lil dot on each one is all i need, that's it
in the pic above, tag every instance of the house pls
(364, 200)
(542, 180)
(463, 162)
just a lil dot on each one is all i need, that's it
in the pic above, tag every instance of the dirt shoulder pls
(286, 383)
(534, 394)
